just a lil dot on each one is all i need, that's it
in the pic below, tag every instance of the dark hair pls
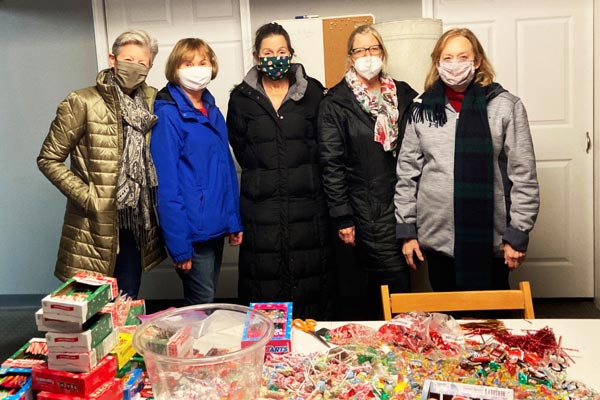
(271, 29)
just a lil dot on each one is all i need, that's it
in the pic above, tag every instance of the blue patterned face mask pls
(275, 67)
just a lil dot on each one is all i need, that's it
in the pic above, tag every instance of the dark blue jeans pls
(128, 267)
(200, 283)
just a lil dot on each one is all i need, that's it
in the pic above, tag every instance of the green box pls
(92, 298)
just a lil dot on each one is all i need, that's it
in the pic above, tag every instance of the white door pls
(216, 22)
(542, 51)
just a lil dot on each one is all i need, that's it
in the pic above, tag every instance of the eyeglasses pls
(361, 51)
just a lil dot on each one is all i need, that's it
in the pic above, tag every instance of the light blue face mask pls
(275, 67)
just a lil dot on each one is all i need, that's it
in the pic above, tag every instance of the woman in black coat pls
(360, 129)
(286, 253)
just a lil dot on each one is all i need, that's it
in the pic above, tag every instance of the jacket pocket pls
(195, 209)
(91, 204)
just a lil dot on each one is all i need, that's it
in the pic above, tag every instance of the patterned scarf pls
(137, 182)
(384, 112)
(473, 179)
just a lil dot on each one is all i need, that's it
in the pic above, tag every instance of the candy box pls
(32, 353)
(15, 384)
(97, 279)
(133, 383)
(451, 390)
(112, 390)
(63, 382)
(78, 299)
(46, 324)
(82, 361)
(123, 350)
(136, 307)
(281, 314)
(95, 330)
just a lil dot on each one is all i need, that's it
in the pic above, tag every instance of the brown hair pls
(184, 50)
(484, 75)
(267, 30)
(363, 30)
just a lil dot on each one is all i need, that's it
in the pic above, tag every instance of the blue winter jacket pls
(198, 197)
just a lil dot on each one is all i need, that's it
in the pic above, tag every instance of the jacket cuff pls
(341, 212)
(518, 240)
(183, 256)
(344, 222)
(406, 231)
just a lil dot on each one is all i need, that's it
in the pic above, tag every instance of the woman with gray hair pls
(109, 224)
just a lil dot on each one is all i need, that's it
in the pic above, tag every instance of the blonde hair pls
(484, 75)
(186, 49)
(139, 37)
(363, 30)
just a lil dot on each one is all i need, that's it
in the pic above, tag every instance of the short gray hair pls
(139, 37)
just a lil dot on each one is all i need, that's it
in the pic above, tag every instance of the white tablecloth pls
(580, 336)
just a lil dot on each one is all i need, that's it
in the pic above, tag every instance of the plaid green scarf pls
(473, 179)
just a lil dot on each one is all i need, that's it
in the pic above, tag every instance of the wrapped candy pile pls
(394, 362)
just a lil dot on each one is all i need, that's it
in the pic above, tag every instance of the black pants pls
(442, 277)
(442, 274)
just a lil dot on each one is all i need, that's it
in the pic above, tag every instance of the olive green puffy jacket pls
(88, 128)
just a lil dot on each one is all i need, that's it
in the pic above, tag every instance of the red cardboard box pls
(112, 390)
(281, 314)
(62, 382)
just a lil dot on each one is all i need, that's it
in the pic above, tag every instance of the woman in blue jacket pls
(197, 183)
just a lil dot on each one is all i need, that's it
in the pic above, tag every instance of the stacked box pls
(281, 314)
(79, 338)
(123, 350)
(77, 300)
(83, 361)
(111, 390)
(94, 331)
(71, 383)
(15, 384)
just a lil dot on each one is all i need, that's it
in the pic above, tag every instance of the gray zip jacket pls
(425, 190)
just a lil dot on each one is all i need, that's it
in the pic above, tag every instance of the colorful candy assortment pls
(394, 362)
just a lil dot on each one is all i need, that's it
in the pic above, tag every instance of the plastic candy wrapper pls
(433, 334)
(353, 334)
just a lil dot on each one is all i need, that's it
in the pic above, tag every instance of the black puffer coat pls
(359, 177)
(286, 253)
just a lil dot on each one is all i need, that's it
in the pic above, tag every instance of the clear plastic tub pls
(195, 352)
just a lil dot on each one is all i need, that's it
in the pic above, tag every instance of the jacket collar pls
(107, 91)
(185, 104)
(298, 82)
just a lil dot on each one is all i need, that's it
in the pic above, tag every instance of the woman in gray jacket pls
(467, 194)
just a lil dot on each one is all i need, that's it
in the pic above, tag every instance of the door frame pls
(427, 12)
(101, 35)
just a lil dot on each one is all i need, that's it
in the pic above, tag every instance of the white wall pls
(47, 50)
(263, 11)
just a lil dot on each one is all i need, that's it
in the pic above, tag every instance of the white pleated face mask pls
(194, 78)
(368, 66)
(456, 74)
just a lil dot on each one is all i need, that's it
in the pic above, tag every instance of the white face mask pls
(194, 78)
(457, 75)
(368, 66)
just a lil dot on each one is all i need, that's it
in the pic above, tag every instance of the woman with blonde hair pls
(360, 126)
(197, 182)
(467, 194)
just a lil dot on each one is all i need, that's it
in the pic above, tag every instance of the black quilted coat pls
(286, 253)
(359, 177)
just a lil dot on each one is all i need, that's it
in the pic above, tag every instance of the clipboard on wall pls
(320, 44)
